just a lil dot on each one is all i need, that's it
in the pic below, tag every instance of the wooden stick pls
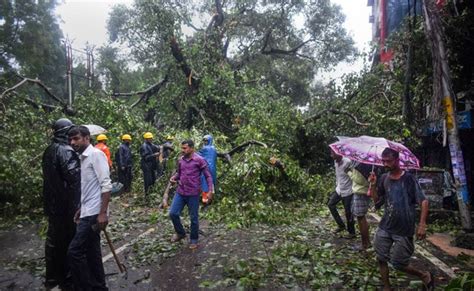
(164, 201)
(112, 249)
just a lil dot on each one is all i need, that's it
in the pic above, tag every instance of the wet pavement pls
(141, 237)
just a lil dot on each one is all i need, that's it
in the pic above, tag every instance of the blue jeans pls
(85, 258)
(179, 201)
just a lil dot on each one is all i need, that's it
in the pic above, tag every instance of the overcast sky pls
(85, 21)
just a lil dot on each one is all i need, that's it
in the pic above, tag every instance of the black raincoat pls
(61, 199)
(124, 161)
(149, 163)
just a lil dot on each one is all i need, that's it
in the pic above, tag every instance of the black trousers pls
(85, 257)
(347, 202)
(164, 165)
(60, 232)
(125, 177)
(159, 170)
(149, 177)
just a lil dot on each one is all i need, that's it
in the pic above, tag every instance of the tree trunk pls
(442, 91)
(407, 92)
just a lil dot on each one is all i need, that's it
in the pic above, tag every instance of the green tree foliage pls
(365, 103)
(25, 132)
(22, 139)
(281, 45)
(118, 76)
(239, 74)
(30, 42)
(459, 31)
(374, 95)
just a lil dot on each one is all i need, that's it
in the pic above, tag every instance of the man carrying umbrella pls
(399, 191)
(361, 201)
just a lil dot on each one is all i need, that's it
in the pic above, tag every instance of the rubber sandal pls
(176, 237)
(431, 284)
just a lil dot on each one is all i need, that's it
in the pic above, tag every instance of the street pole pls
(90, 64)
(69, 72)
(443, 89)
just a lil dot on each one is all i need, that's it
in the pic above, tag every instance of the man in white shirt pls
(343, 193)
(84, 253)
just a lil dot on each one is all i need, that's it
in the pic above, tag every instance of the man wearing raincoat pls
(209, 153)
(61, 195)
(124, 161)
(148, 163)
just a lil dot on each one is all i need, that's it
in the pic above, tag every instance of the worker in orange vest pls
(102, 145)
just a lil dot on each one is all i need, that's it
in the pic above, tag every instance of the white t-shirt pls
(95, 180)
(343, 181)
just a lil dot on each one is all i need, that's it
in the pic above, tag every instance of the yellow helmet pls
(148, 135)
(169, 137)
(126, 137)
(101, 137)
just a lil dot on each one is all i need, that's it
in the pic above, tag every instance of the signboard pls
(463, 118)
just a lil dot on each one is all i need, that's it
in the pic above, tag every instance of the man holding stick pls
(84, 253)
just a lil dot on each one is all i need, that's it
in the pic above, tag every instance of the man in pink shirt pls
(188, 176)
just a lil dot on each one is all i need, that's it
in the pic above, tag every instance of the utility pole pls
(90, 64)
(69, 72)
(442, 89)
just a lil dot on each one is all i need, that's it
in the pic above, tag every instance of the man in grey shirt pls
(343, 193)
(84, 253)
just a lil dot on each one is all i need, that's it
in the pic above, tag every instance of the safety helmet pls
(101, 137)
(169, 137)
(148, 135)
(62, 124)
(126, 137)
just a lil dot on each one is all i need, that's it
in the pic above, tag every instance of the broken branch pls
(244, 145)
(34, 81)
(179, 57)
(145, 94)
(336, 112)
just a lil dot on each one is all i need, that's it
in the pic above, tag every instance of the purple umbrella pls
(368, 150)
